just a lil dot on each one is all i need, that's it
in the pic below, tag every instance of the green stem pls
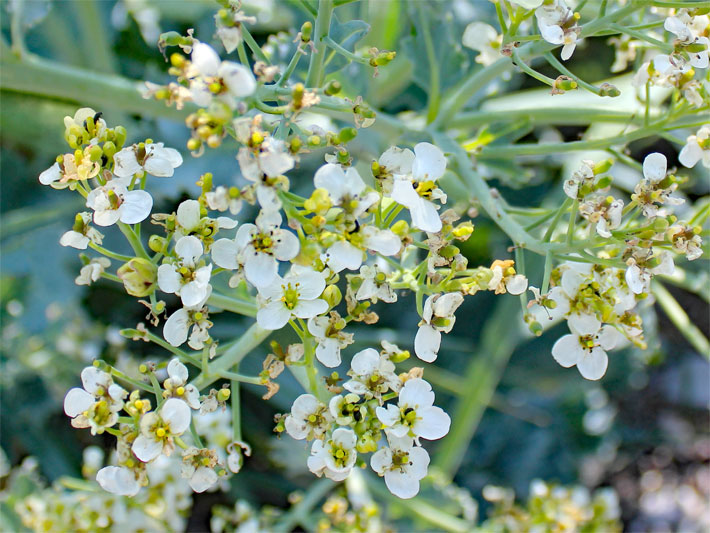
(680, 319)
(133, 240)
(291, 67)
(195, 436)
(572, 221)
(241, 378)
(664, 47)
(152, 337)
(123, 377)
(300, 511)
(248, 341)
(232, 304)
(530, 71)
(315, 75)
(344, 52)
(109, 253)
(552, 60)
(236, 409)
(434, 98)
(544, 115)
(253, 45)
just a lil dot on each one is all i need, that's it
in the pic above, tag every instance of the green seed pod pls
(603, 183)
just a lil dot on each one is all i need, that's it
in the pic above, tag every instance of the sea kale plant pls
(394, 202)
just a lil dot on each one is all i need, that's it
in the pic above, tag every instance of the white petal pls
(567, 351)
(177, 413)
(328, 352)
(158, 166)
(690, 154)
(401, 484)
(77, 401)
(419, 459)
(148, 449)
(416, 393)
(274, 316)
(224, 254)
(593, 364)
(331, 178)
(188, 214)
(136, 207)
(238, 79)
(75, 240)
(397, 160)
(310, 308)
(125, 163)
(189, 249)
(609, 337)
(425, 216)
(429, 162)
(427, 343)
(169, 280)
(583, 324)
(517, 284)
(382, 241)
(203, 479)
(654, 167)
(107, 218)
(342, 255)
(433, 424)
(389, 416)
(92, 378)
(365, 362)
(286, 245)
(176, 370)
(52, 174)
(204, 59)
(193, 293)
(381, 460)
(478, 35)
(260, 269)
(118, 480)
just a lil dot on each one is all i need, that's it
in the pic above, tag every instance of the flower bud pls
(607, 89)
(535, 328)
(603, 166)
(157, 243)
(564, 83)
(332, 88)
(400, 356)
(314, 140)
(603, 183)
(346, 135)
(306, 31)
(139, 276)
(449, 251)
(660, 224)
(383, 58)
(223, 394)
(400, 228)
(120, 135)
(295, 145)
(332, 295)
(319, 202)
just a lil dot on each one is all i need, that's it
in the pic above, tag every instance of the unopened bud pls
(535, 328)
(332, 295)
(177, 60)
(564, 83)
(120, 135)
(157, 243)
(607, 89)
(332, 88)
(314, 140)
(139, 276)
(602, 166)
(400, 356)
(306, 31)
(346, 135)
(400, 228)
(603, 183)
(223, 394)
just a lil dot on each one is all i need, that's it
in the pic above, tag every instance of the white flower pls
(211, 77)
(505, 279)
(417, 186)
(528, 4)
(375, 286)
(345, 189)
(296, 295)
(584, 175)
(336, 457)
(154, 158)
(186, 278)
(372, 374)
(97, 404)
(349, 254)
(438, 316)
(92, 272)
(638, 277)
(329, 334)
(177, 387)
(402, 464)
(118, 480)
(52, 174)
(309, 418)
(262, 165)
(604, 213)
(485, 39)
(113, 202)
(259, 248)
(654, 167)
(82, 234)
(347, 410)
(587, 351)
(223, 199)
(697, 148)
(683, 29)
(189, 220)
(557, 26)
(415, 415)
(202, 478)
(178, 325)
(159, 428)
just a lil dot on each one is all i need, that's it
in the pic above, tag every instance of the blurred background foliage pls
(518, 416)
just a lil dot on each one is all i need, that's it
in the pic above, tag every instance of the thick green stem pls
(680, 319)
(232, 304)
(133, 240)
(315, 75)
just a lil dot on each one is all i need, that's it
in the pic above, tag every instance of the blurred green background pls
(642, 430)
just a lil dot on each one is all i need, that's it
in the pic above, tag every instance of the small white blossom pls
(372, 374)
(295, 295)
(375, 286)
(309, 418)
(483, 38)
(177, 327)
(402, 464)
(638, 277)
(336, 457)
(223, 199)
(213, 78)
(154, 158)
(587, 351)
(158, 430)
(177, 387)
(261, 165)
(697, 148)
(118, 480)
(557, 25)
(113, 202)
(97, 404)
(345, 189)
(92, 272)
(415, 415)
(186, 278)
(438, 316)
(329, 334)
(416, 187)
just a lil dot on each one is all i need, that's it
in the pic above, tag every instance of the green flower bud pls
(564, 83)
(139, 276)
(449, 251)
(607, 89)
(535, 328)
(332, 295)
(157, 243)
(314, 140)
(109, 149)
(660, 224)
(120, 135)
(400, 356)
(343, 156)
(306, 31)
(223, 395)
(400, 228)
(346, 135)
(332, 88)
(603, 166)
(603, 183)
(95, 153)
(296, 144)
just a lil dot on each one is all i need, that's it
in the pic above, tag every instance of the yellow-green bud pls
(607, 89)
(603, 183)
(535, 328)
(332, 295)
(400, 228)
(157, 243)
(139, 276)
(400, 356)
(223, 395)
(564, 83)
(343, 156)
(383, 58)
(314, 140)
(346, 135)
(660, 224)
(332, 88)
(194, 144)
(306, 31)
(449, 251)
(296, 144)
(109, 149)
(319, 202)
(120, 135)
(603, 166)
(177, 60)
(95, 152)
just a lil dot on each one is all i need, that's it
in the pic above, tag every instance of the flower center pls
(424, 188)
(340, 454)
(290, 296)
(400, 459)
(262, 242)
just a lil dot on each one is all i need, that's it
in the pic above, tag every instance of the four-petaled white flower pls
(189, 220)
(483, 38)
(375, 286)
(402, 464)
(97, 404)
(154, 158)
(177, 387)
(270, 160)
(697, 148)
(118, 480)
(329, 335)
(638, 277)
(309, 418)
(345, 189)
(416, 187)
(295, 295)
(372, 374)
(557, 25)
(178, 325)
(158, 429)
(82, 234)
(336, 457)
(438, 316)
(223, 199)
(92, 272)
(349, 254)
(258, 247)
(685, 32)
(415, 415)
(113, 202)
(587, 351)
(213, 78)
(186, 278)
